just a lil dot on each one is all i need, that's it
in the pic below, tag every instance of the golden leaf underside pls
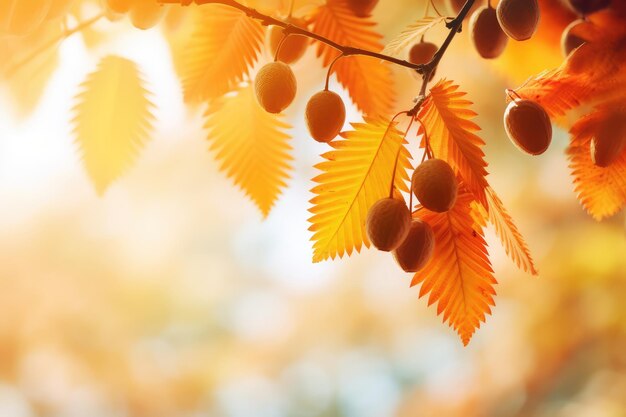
(368, 80)
(510, 236)
(446, 117)
(459, 278)
(411, 35)
(225, 45)
(112, 120)
(355, 174)
(601, 191)
(250, 145)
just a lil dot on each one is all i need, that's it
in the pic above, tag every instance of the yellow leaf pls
(368, 80)
(225, 45)
(459, 278)
(446, 117)
(411, 35)
(602, 191)
(251, 146)
(507, 231)
(355, 174)
(112, 120)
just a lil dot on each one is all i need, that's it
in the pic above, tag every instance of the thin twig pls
(62, 36)
(455, 27)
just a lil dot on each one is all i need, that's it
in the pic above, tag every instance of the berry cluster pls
(276, 86)
(390, 226)
(526, 122)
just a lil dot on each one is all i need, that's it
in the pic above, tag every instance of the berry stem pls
(395, 163)
(280, 44)
(330, 70)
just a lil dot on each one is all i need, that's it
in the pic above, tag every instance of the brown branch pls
(425, 70)
(290, 29)
(455, 27)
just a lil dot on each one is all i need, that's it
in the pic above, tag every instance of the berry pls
(275, 87)
(518, 18)
(388, 223)
(586, 7)
(325, 115)
(293, 48)
(362, 8)
(120, 6)
(423, 53)
(488, 37)
(418, 247)
(570, 40)
(609, 142)
(528, 125)
(435, 185)
(145, 14)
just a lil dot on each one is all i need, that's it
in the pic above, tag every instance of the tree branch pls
(425, 70)
(295, 30)
(455, 27)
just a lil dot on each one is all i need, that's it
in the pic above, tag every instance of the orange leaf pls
(507, 231)
(459, 278)
(446, 119)
(592, 73)
(224, 47)
(255, 154)
(602, 191)
(368, 80)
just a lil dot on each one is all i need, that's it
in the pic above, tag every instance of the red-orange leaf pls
(602, 191)
(368, 80)
(459, 278)
(446, 117)
(592, 73)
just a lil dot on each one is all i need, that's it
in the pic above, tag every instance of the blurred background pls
(171, 296)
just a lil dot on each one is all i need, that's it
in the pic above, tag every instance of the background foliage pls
(169, 296)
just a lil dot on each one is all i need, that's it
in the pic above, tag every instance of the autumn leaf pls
(592, 73)
(112, 120)
(459, 278)
(510, 236)
(411, 35)
(602, 191)
(250, 145)
(368, 81)
(355, 174)
(225, 45)
(446, 121)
